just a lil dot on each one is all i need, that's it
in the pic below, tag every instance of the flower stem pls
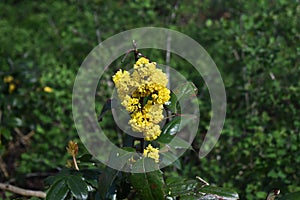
(75, 163)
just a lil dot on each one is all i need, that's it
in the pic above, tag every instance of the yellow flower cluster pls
(10, 81)
(151, 152)
(48, 89)
(143, 94)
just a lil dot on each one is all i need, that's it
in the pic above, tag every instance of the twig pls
(98, 33)
(168, 45)
(21, 191)
(75, 163)
(3, 168)
(136, 53)
(201, 180)
(168, 55)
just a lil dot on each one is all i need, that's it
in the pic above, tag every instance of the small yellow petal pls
(8, 79)
(11, 88)
(48, 89)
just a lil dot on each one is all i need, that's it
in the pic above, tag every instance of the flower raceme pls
(151, 152)
(143, 93)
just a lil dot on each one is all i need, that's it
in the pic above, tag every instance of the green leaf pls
(224, 193)
(6, 134)
(291, 196)
(106, 181)
(185, 90)
(58, 191)
(150, 184)
(85, 158)
(182, 187)
(192, 189)
(172, 103)
(78, 187)
(106, 107)
(107, 178)
(63, 174)
(91, 176)
(170, 129)
(128, 140)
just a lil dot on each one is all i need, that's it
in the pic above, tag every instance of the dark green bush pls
(254, 44)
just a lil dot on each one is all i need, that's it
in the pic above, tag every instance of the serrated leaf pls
(63, 174)
(78, 187)
(91, 176)
(150, 184)
(172, 103)
(173, 127)
(169, 130)
(192, 189)
(58, 191)
(185, 90)
(108, 176)
(106, 181)
(182, 187)
(224, 193)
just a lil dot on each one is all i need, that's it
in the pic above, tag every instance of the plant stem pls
(75, 163)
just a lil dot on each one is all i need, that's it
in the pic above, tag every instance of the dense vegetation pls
(255, 45)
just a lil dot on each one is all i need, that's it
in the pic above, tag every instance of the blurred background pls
(255, 45)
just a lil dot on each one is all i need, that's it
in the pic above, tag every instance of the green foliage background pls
(255, 45)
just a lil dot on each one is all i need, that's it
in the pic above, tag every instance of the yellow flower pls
(72, 148)
(132, 105)
(8, 79)
(143, 93)
(153, 133)
(151, 152)
(120, 75)
(141, 61)
(11, 88)
(48, 89)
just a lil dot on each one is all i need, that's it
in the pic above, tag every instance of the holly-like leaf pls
(173, 127)
(107, 178)
(223, 193)
(91, 176)
(58, 191)
(172, 104)
(63, 174)
(106, 181)
(181, 187)
(185, 90)
(192, 189)
(78, 187)
(150, 184)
